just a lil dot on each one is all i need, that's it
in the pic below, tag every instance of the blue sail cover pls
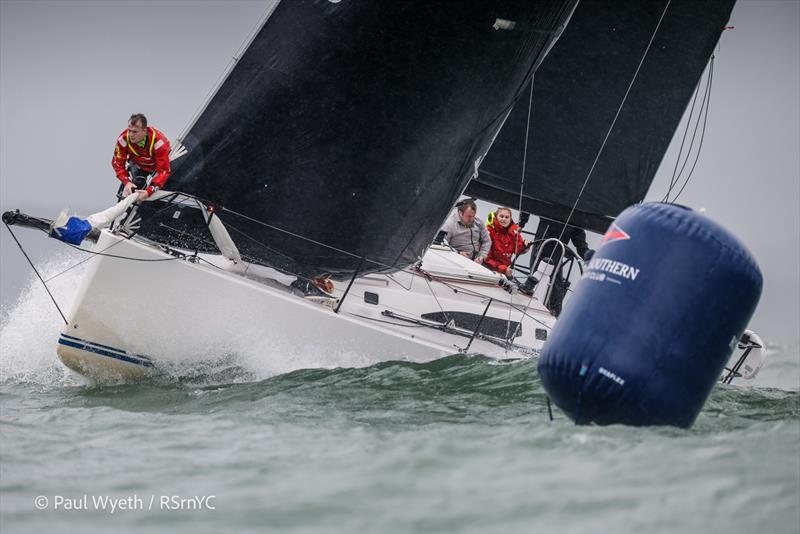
(358, 124)
(577, 92)
(73, 232)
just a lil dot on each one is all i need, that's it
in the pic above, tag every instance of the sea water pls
(462, 444)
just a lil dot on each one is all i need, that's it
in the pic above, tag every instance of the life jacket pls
(149, 142)
(153, 157)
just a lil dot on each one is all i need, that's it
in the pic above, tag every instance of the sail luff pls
(178, 149)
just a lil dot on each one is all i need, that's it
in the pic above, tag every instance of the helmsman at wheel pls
(141, 153)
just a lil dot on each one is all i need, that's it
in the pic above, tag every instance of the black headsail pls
(359, 123)
(578, 90)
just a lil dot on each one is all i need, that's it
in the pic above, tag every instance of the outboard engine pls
(653, 321)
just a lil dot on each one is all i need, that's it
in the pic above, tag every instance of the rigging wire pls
(503, 114)
(183, 256)
(425, 275)
(525, 155)
(256, 241)
(91, 252)
(117, 256)
(446, 317)
(37, 273)
(674, 178)
(614, 122)
(71, 266)
(519, 204)
(707, 104)
(697, 157)
(703, 108)
(198, 112)
(80, 262)
(605, 139)
(549, 43)
(171, 198)
(473, 293)
(294, 274)
(250, 259)
(304, 238)
(410, 285)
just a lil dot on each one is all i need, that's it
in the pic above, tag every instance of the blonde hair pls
(503, 208)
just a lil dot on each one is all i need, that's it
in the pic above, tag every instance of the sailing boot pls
(529, 286)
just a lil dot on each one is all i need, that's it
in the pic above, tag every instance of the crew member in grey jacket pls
(467, 234)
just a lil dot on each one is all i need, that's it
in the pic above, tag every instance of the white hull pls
(133, 318)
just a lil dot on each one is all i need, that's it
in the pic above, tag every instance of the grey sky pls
(72, 72)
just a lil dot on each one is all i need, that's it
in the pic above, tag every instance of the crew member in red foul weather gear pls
(145, 150)
(506, 242)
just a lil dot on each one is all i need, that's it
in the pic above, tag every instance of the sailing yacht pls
(337, 145)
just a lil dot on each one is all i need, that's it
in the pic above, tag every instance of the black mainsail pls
(357, 124)
(577, 92)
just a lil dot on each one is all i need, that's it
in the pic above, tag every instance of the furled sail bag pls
(653, 321)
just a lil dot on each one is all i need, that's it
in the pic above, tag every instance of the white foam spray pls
(234, 347)
(30, 326)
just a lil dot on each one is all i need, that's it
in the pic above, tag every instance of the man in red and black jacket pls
(146, 151)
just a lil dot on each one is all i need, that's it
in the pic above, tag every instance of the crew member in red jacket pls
(146, 151)
(506, 241)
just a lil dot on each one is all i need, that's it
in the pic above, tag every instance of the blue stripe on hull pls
(103, 350)
(79, 340)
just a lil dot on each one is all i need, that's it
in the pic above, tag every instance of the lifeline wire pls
(102, 252)
(113, 256)
(82, 261)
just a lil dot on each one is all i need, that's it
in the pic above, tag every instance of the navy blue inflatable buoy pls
(653, 321)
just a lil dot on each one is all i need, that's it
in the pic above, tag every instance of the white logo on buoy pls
(611, 267)
(608, 374)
